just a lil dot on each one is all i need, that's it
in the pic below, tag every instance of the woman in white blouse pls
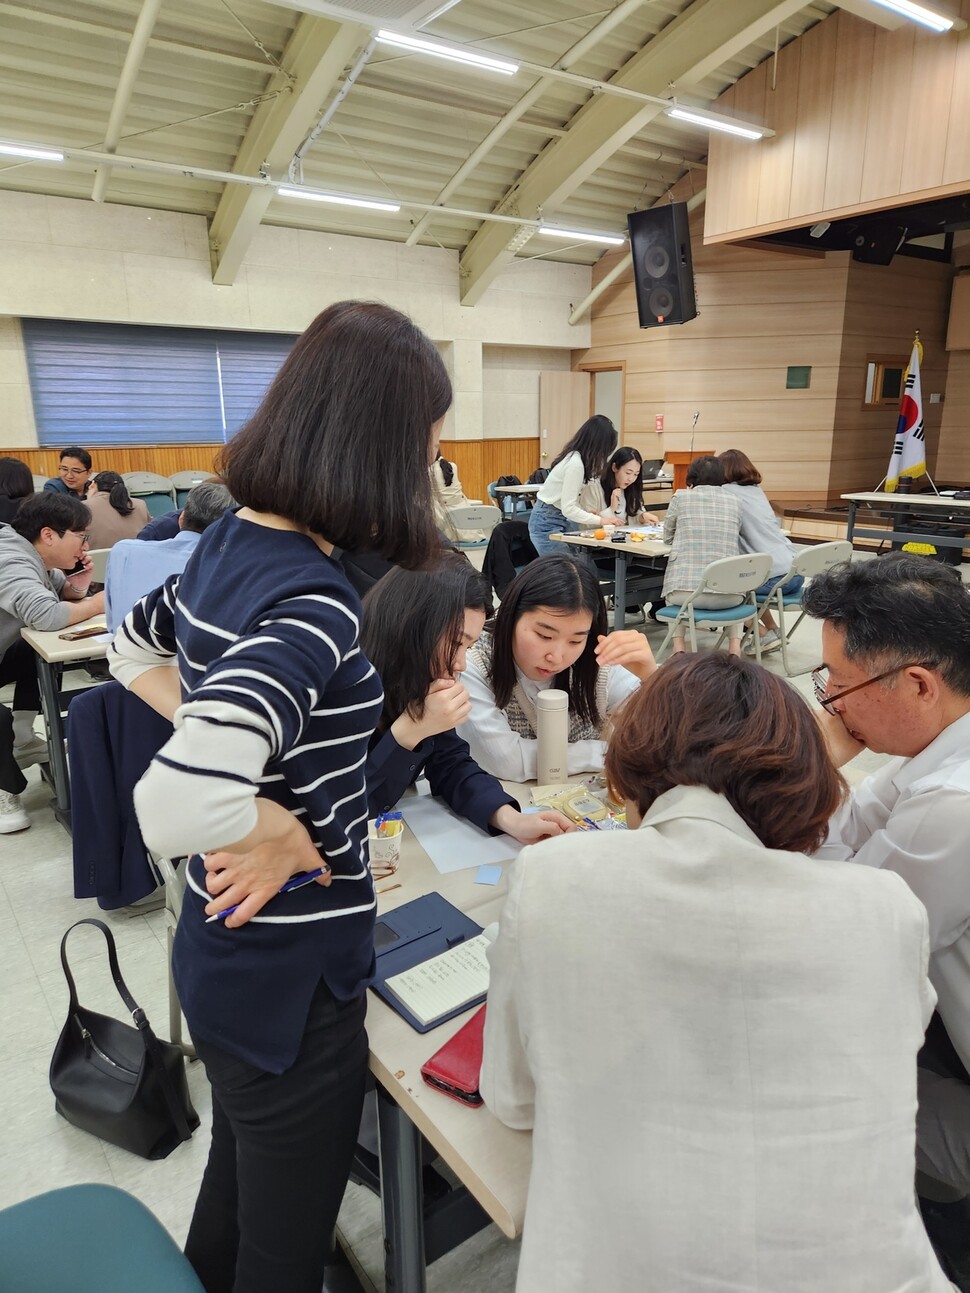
(557, 508)
(550, 631)
(618, 493)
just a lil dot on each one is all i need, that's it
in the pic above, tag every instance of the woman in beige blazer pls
(114, 513)
(713, 1037)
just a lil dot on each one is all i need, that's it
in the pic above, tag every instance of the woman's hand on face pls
(249, 880)
(445, 706)
(628, 648)
(529, 827)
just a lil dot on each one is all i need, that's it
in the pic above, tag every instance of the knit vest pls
(520, 713)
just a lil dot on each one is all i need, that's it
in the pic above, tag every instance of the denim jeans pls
(544, 519)
(280, 1157)
(792, 586)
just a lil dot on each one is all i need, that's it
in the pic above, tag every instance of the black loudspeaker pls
(877, 244)
(662, 269)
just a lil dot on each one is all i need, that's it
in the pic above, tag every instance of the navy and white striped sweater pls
(280, 702)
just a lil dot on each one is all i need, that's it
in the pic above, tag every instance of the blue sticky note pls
(488, 875)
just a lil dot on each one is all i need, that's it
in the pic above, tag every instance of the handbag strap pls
(139, 1018)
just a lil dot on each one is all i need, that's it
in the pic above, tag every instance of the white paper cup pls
(384, 846)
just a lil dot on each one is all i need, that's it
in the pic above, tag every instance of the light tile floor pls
(39, 1151)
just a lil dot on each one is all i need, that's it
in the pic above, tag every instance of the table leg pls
(619, 590)
(853, 504)
(402, 1199)
(51, 705)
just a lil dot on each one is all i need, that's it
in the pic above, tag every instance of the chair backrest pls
(99, 563)
(148, 482)
(39, 483)
(815, 561)
(742, 574)
(188, 479)
(474, 518)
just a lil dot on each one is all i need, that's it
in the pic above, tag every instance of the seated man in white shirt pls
(135, 568)
(896, 679)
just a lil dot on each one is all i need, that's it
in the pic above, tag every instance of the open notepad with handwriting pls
(447, 982)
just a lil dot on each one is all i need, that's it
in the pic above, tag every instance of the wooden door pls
(563, 408)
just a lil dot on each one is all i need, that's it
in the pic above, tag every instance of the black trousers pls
(11, 778)
(280, 1157)
(18, 665)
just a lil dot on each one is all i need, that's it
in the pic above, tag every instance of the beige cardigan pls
(107, 526)
(715, 1046)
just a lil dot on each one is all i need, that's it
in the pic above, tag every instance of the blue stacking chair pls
(186, 480)
(155, 490)
(89, 1239)
(729, 575)
(811, 562)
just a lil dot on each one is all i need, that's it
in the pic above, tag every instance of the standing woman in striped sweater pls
(254, 652)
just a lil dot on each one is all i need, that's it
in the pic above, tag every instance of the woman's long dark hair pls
(341, 442)
(110, 483)
(412, 628)
(16, 479)
(633, 494)
(561, 584)
(594, 442)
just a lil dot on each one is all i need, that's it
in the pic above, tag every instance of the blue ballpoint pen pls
(295, 882)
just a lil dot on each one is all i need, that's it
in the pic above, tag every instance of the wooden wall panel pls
(880, 114)
(888, 111)
(953, 454)
(775, 156)
(815, 85)
(482, 461)
(164, 459)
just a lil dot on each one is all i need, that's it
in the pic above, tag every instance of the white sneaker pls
(770, 641)
(33, 751)
(13, 815)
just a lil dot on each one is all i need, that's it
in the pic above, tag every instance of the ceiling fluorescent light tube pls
(312, 195)
(31, 150)
(579, 235)
(453, 53)
(916, 12)
(711, 121)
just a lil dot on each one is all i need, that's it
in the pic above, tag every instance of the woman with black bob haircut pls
(557, 509)
(16, 484)
(255, 652)
(439, 613)
(393, 388)
(114, 513)
(550, 632)
(728, 1027)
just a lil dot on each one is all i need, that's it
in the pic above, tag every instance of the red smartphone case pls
(455, 1069)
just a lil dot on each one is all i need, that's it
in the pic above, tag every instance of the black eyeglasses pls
(820, 682)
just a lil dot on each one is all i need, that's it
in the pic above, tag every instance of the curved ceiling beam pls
(124, 90)
(315, 56)
(694, 44)
(501, 128)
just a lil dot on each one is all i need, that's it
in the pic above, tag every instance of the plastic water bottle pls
(552, 732)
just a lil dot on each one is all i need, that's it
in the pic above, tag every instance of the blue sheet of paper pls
(488, 875)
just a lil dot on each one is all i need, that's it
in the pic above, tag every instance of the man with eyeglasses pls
(896, 680)
(46, 540)
(73, 473)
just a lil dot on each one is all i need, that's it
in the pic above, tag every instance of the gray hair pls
(205, 504)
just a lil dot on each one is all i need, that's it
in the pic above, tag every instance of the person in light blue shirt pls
(135, 568)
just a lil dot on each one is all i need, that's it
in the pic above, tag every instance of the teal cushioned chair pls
(89, 1239)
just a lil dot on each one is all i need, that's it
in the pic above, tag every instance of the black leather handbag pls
(117, 1081)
